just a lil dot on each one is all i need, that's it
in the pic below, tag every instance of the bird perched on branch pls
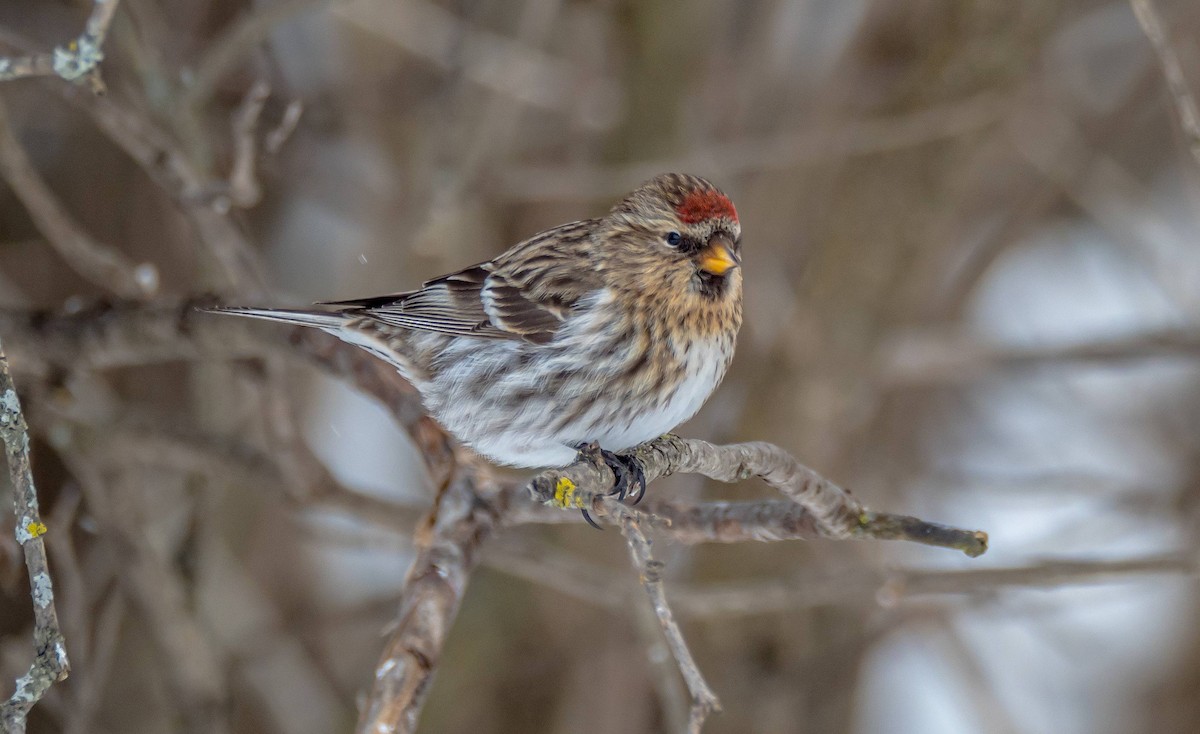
(608, 331)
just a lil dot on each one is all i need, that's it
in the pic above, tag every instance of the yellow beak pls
(717, 259)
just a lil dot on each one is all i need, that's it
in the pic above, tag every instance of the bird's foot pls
(630, 476)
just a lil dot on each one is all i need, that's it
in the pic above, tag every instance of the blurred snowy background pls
(971, 235)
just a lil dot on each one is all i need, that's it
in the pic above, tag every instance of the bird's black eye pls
(674, 238)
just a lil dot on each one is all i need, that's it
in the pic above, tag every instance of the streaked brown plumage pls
(612, 330)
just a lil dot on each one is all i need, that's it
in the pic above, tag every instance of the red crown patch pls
(704, 204)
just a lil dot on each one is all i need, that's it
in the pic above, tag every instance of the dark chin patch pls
(711, 286)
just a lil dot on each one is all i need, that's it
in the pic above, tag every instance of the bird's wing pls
(526, 293)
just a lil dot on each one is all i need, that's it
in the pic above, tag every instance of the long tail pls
(335, 323)
(319, 319)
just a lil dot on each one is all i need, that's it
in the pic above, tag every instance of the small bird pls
(608, 331)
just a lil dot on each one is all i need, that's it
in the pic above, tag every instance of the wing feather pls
(526, 293)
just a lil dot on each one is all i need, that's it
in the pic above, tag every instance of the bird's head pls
(678, 236)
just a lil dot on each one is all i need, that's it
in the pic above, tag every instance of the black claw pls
(639, 480)
(620, 472)
(589, 519)
(631, 478)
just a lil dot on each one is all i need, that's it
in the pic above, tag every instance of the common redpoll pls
(611, 330)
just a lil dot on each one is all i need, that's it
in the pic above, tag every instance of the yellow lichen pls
(564, 494)
(36, 529)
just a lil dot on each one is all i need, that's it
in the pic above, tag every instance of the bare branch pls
(832, 512)
(460, 521)
(73, 61)
(1185, 101)
(50, 662)
(704, 701)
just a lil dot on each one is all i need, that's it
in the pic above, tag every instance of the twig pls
(832, 512)
(95, 261)
(73, 61)
(287, 125)
(704, 701)
(244, 191)
(50, 662)
(1185, 102)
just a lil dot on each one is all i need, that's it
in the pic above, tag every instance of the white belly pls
(703, 368)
